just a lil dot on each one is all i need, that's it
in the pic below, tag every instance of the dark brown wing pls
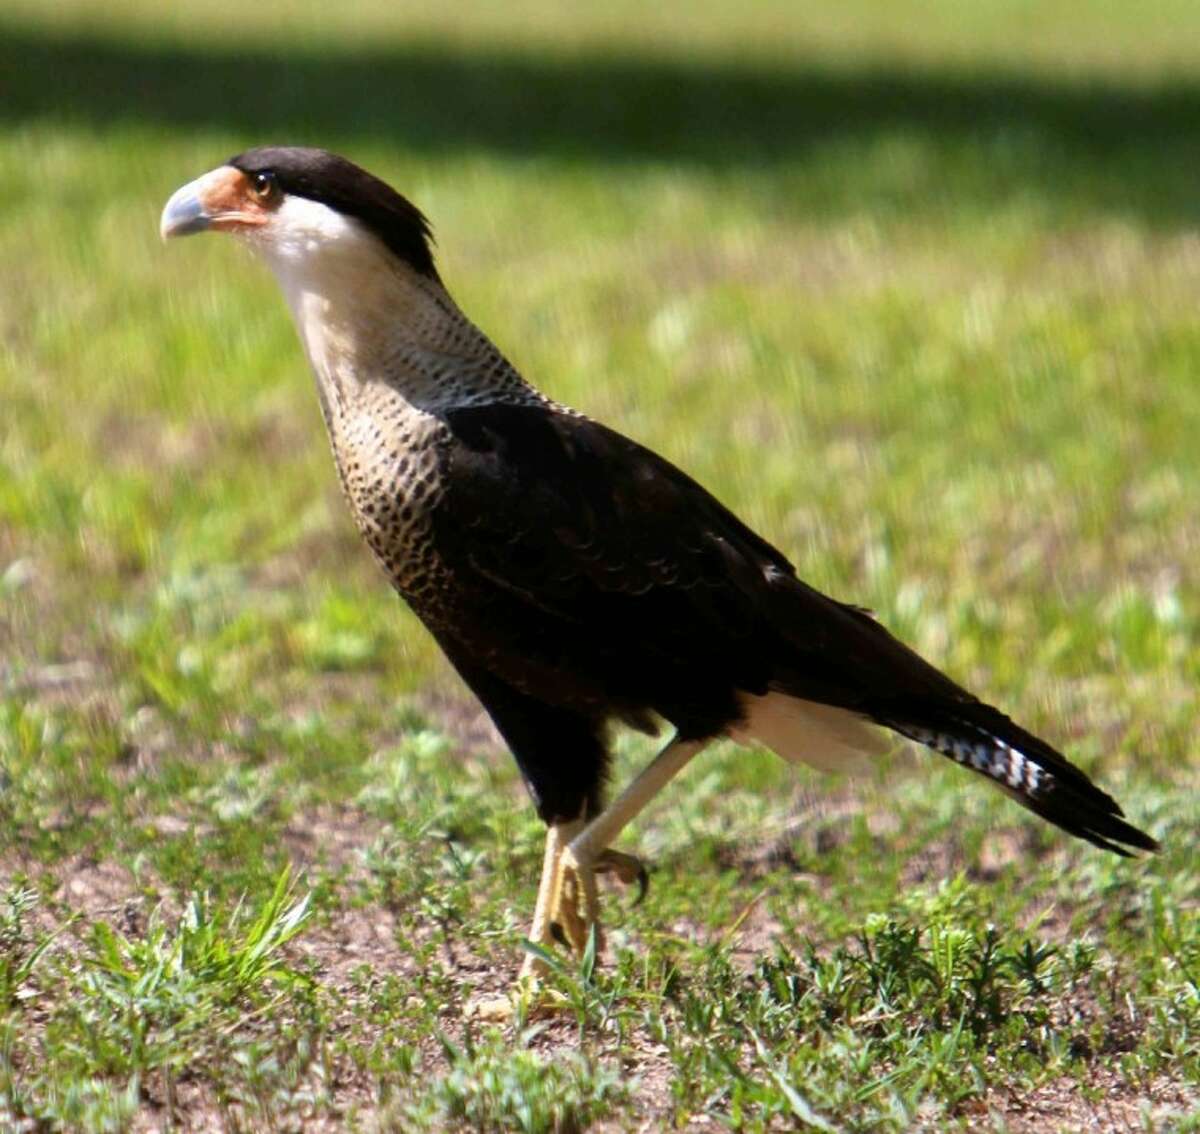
(590, 531)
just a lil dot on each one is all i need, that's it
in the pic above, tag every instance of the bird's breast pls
(387, 458)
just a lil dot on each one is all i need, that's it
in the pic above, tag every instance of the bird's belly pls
(573, 667)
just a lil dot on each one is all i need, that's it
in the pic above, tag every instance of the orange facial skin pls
(224, 200)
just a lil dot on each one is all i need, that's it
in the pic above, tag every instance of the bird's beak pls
(184, 214)
(221, 199)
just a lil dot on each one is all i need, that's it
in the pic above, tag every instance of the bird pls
(576, 580)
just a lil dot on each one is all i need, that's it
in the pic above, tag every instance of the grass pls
(914, 293)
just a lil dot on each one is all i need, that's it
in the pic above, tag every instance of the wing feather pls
(589, 527)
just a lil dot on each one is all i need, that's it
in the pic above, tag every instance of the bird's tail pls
(1038, 777)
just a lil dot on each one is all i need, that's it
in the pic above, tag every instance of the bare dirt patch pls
(1104, 1103)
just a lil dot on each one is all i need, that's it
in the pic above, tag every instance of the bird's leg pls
(577, 906)
(558, 835)
(502, 1009)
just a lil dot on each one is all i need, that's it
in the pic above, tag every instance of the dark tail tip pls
(1097, 819)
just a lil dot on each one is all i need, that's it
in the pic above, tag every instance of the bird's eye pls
(265, 185)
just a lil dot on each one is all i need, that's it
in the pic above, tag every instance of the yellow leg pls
(558, 835)
(502, 1009)
(575, 853)
(577, 905)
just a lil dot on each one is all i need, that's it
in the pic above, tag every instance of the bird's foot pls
(577, 906)
(627, 869)
(576, 909)
(492, 1009)
(528, 999)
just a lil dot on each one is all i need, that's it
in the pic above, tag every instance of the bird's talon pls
(643, 884)
(628, 869)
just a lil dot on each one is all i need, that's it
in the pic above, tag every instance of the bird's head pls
(293, 204)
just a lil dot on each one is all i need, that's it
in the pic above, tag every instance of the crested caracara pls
(574, 578)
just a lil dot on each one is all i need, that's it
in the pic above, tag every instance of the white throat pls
(343, 288)
(367, 320)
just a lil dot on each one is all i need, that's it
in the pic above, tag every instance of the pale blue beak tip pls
(183, 214)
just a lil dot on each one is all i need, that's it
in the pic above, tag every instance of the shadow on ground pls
(1096, 146)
